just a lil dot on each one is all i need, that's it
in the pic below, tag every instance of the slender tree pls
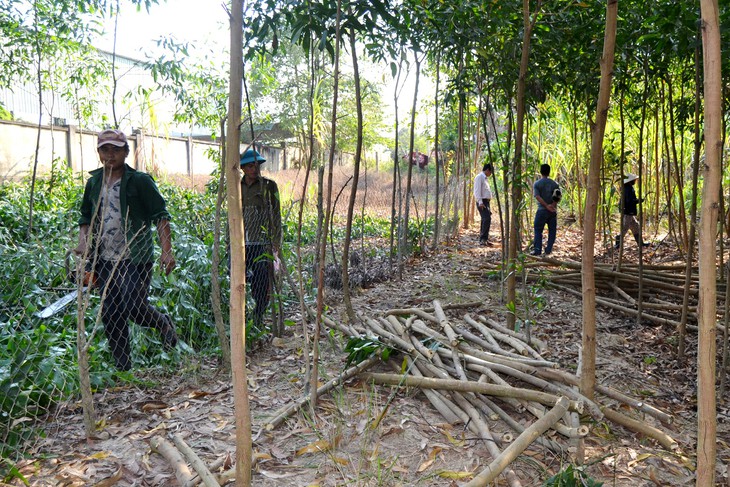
(215, 294)
(314, 376)
(588, 347)
(238, 259)
(528, 25)
(436, 155)
(355, 179)
(706, 309)
(405, 237)
(689, 264)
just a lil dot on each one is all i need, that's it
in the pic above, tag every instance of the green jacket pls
(141, 205)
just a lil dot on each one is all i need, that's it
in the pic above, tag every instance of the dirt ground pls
(411, 445)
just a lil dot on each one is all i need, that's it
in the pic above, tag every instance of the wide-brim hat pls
(251, 155)
(111, 137)
(630, 177)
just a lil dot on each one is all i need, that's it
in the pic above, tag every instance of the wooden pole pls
(520, 444)
(237, 317)
(706, 359)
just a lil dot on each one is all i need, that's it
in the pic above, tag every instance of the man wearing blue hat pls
(262, 229)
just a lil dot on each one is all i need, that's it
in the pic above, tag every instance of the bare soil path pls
(368, 435)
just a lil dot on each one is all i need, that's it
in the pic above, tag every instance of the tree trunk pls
(394, 224)
(706, 360)
(588, 365)
(682, 332)
(517, 164)
(82, 347)
(238, 260)
(405, 242)
(355, 180)
(215, 293)
(437, 190)
(642, 189)
(314, 375)
(302, 202)
(678, 172)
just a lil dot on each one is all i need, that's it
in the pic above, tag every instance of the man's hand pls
(167, 260)
(80, 249)
(83, 236)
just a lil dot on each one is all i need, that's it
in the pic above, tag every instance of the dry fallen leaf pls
(316, 447)
(640, 458)
(425, 465)
(154, 406)
(276, 475)
(100, 455)
(374, 454)
(453, 440)
(340, 460)
(260, 457)
(435, 451)
(449, 474)
(391, 430)
(111, 481)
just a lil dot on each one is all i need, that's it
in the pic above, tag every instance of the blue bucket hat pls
(251, 155)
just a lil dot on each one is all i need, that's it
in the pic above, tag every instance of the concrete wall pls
(77, 149)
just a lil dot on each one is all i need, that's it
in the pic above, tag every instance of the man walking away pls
(630, 210)
(547, 194)
(482, 196)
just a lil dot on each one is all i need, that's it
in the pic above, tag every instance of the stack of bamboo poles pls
(662, 288)
(475, 370)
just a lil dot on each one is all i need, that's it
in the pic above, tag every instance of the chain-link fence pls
(125, 314)
(379, 235)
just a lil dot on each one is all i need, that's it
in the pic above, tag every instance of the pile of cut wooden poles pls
(475, 371)
(662, 288)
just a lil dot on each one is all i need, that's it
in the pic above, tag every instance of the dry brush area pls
(473, 410)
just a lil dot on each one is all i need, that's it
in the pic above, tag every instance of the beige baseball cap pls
(113, 137)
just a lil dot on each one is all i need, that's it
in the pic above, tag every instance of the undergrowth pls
(38, 358)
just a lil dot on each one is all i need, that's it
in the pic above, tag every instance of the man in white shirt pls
(482, 196)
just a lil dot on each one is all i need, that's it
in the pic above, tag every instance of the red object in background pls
(418, 158)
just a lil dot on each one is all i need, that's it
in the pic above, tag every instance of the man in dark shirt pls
(546, 192)
(630, 205)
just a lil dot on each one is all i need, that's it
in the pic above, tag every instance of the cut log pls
(520, 444)
(436, 399)
(445, 324)
(640, 427)
(193, 459)
(532, 342)
(517, 427)
(469, 386)
(183, 474)
(572, 380)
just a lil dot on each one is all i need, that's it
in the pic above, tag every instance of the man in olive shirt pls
(262, 229)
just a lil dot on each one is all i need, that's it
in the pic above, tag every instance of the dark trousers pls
(544, 217)
(486, 214)
(125, 292)
(259, 268)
